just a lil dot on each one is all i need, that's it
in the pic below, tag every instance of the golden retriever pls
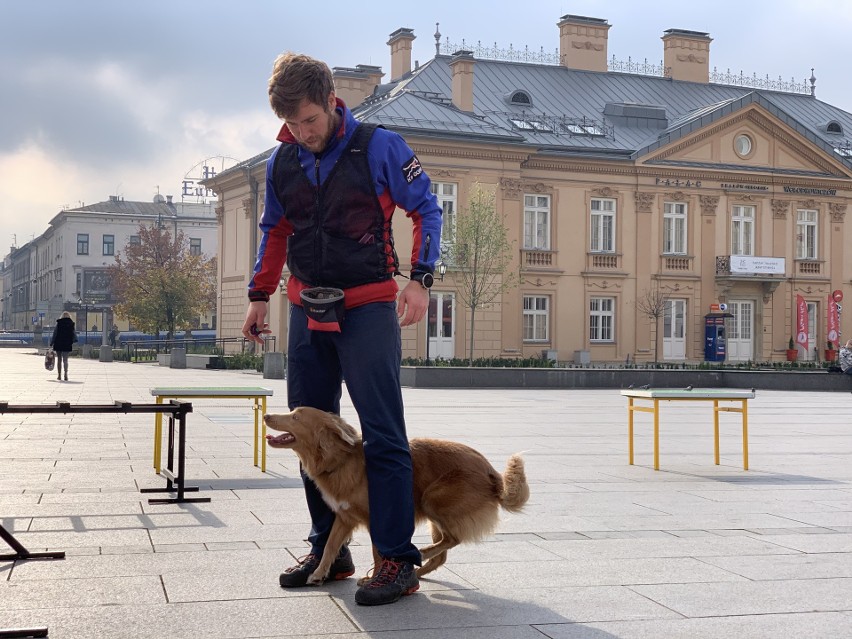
(455, 488)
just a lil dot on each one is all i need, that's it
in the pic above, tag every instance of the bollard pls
(177, 358)
(105, 354)
(274, 366)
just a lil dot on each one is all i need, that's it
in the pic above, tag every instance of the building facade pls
(65, 268)
(640, 199)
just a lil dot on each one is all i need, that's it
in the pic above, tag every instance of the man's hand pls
(255, 325)
(413, 303)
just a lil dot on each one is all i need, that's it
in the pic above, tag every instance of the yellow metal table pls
(715, 395)
(257, 394)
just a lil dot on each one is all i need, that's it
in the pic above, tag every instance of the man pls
(846, 357)
(331, 189)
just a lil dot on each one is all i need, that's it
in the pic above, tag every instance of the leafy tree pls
(481, 255)
(652, 304)
(159, 285)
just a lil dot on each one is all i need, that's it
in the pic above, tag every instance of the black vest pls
(339, 228)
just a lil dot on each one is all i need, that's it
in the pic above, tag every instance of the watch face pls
(427, 280)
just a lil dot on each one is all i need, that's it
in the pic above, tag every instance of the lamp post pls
(85, 305)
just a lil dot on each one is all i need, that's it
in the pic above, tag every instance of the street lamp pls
(85, 304)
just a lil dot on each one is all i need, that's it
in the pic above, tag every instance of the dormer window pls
(833, 127)
(521, 98)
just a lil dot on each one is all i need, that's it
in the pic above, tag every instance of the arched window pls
(520, 97)
(834, 127)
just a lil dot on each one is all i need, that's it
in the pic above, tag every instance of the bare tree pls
(481, 254)
(652, 304)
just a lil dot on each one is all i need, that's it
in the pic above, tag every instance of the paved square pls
(603, 550)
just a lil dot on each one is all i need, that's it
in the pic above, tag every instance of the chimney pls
(582, 42)
(400, 44)
(461, 66)
(353, 86)
(686, 55)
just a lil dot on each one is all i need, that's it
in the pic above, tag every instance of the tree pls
(481, 254)
(159, 284)
(652, 304)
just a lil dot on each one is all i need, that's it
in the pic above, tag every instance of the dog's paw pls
(315, 579)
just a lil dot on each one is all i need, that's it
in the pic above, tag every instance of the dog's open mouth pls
(284, 439)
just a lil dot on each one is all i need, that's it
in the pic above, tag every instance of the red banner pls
(801, 322)
(833, 321)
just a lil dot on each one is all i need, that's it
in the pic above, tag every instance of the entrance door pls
(441, 331)
(812, 331)
(674, 332)
(740, 331)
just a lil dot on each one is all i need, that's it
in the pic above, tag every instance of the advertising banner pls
(833, 323)
(801, 322)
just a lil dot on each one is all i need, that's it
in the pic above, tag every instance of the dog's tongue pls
(280, 440)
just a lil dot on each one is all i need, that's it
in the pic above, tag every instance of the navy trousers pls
(367, 354)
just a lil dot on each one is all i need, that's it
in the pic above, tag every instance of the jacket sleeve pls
(399, 174)
(53, 337)
(272, 252)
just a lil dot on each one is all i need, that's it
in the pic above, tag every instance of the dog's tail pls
(516, 491)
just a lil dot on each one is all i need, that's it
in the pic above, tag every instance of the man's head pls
(301, 92)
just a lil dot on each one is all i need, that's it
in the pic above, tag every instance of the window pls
(742, 230)
(82, 243)
(135, 240)
(536, 318)
(519, 97)
(674, 228)
(447, 194)
(806, 234)
(195, 246)
(601, 319)
(531, 125)
(743, 145)
(109, 244)
(537, 222)
(603, 226)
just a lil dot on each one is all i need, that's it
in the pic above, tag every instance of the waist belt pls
(324, 307)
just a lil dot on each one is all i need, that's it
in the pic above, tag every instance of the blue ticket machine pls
(715, 344)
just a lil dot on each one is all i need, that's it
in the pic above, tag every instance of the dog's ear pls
(346, 432)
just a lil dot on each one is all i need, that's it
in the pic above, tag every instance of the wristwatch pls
(426, 280)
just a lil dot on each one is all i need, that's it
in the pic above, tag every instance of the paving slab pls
(604, 550)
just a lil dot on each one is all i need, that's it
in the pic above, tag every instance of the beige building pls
(619, 184)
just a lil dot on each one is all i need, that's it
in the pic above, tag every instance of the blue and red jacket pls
(398, 181)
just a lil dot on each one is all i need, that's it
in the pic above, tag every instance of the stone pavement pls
(604, 549)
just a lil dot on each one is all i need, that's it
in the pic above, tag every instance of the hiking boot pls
(393, 580)
(297, 576)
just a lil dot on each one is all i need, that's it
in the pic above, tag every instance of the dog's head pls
(316, 436)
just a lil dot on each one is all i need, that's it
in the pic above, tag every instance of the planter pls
(792, 354)
(831, 355)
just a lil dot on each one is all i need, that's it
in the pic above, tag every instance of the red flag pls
(801, 322)
(833, 321)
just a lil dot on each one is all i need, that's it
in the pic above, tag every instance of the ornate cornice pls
(708, 204)
(837, 210)
(677, 196)
(780, 208)
(220, 212)
(644, 201)
(809, 204)
(605, 191)
(512, 188)
(470, 153)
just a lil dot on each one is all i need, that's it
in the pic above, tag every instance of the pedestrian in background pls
(846, 357)
(62, 342)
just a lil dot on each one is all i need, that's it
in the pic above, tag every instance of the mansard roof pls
(579, 112)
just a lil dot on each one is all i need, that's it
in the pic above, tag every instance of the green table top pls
(683, 393)
(211, 391)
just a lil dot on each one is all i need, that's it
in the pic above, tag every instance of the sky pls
(126, 98)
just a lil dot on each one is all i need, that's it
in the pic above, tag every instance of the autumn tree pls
(481, 255)
(159, 284)
(652, 304)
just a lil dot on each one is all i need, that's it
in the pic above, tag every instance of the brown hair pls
(295, 77)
